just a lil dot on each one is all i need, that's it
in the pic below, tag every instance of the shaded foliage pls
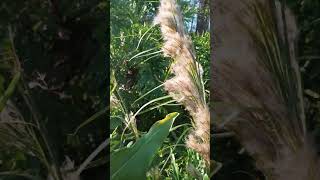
(61, 47)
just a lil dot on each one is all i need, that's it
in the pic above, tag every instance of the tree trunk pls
(203, 16)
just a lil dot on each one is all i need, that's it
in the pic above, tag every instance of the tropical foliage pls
(139, 95)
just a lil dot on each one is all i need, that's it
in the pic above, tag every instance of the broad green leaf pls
(134, 162)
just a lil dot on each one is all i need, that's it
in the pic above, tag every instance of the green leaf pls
(115, 121)
(134, 162)
(206, 177)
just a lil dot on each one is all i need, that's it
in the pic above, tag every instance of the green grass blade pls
(9, 91)
(91, 119)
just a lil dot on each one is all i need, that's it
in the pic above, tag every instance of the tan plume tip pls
(169, 15)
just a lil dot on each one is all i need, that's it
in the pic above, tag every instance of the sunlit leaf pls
(134, 162)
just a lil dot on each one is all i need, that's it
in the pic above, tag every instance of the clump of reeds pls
(187, 85)
(16, 132)
(264, 87)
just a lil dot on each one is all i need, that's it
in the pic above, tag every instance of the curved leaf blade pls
(134, 162)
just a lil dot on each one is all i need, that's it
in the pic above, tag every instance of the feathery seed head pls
(186, 86)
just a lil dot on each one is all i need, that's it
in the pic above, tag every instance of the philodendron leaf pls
(134, 162)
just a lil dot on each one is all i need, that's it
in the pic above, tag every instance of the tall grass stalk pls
(187, 85)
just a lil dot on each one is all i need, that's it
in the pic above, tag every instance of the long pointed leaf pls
(135, 161)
